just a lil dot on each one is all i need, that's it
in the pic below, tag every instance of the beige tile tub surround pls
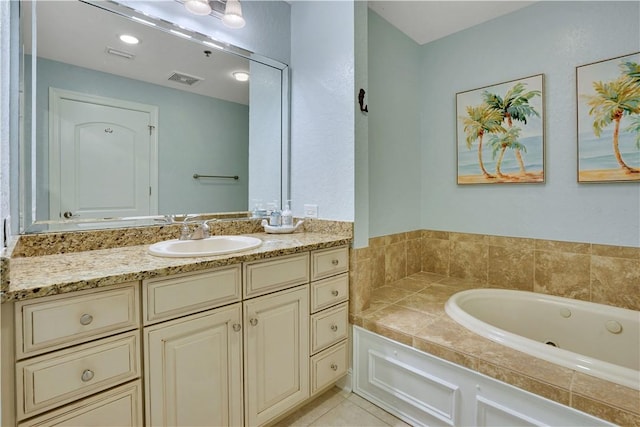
(411, 311)
(409, 307)
(590, 272)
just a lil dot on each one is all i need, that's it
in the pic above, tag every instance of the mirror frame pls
(28, 224)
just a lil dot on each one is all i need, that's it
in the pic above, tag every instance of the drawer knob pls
(334, 328)
(86, 319)
(335, 262)
(87, 375)
(334, 367)
(236, 327)
(253, 321)
(335, 293)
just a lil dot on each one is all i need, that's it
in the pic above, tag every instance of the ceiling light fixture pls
(241, 76)
(233, 15)
(129, 39)
(198, 7)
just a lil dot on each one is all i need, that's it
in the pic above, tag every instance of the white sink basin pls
(214, 245)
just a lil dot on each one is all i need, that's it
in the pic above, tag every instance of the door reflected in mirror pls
(114, 130)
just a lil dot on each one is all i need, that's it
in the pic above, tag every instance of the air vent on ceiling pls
(120, 53)
(185, 79)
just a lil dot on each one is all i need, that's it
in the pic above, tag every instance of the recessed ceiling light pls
(129, 39)
(241, 76)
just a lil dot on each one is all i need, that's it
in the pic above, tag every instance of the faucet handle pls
(206, 230)
(185, 233)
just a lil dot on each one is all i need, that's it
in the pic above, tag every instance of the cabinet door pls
(194, 370)
(277, 353)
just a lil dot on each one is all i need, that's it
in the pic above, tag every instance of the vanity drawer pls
(170, 297)
(329, 262)
(328, 292)
(262, 277)
(121, 406)
(328, 366)
(54, 379)
(50, 323)
(328, 327)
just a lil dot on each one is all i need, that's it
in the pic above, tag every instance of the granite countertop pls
(38, 276)
(411, 311)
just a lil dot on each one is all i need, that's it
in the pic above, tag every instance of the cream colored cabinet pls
(276, 353)
(238, 345)
(194, 370)
(329, 317)
(76, 359)
(169, 297)
(120, 406)
(193, 348)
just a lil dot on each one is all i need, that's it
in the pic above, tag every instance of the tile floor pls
(338, 408)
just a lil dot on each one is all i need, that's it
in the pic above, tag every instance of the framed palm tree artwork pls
(609, 120)
(500, 133)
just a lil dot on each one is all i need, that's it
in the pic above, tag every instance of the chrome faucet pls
(202, 230)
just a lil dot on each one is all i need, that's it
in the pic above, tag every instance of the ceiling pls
(76, 33)
(428, 20)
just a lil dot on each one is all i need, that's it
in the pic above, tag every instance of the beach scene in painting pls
(609, 120)
(500, 136)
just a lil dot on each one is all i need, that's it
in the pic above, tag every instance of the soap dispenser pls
(287, 216)
(275, 218)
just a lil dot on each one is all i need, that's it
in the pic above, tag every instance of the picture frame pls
(500, 133)
(608, 123)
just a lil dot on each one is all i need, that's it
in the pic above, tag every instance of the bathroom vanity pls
(126, 338)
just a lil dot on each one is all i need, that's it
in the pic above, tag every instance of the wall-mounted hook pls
(363, 108)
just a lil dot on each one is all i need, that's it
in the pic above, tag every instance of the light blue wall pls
(5, 118)
(361, 166)
(322, 107)
(394, 130)
(196, 134)
(550, 38)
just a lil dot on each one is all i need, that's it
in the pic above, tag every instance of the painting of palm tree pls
(479, 120)
(609, 120)
(506, 152)
(501, 142)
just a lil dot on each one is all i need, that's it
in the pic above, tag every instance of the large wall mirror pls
(117, 134)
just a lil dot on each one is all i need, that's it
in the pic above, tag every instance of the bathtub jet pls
(596, 339)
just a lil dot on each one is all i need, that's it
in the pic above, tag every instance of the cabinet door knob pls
(236, 327)
(334, 328)
(335, 293)
(85, 319)
(334, 367)
(335, 262)
(87, 375)
(253, 321)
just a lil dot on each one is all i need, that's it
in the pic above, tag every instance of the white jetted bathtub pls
(596, 339)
